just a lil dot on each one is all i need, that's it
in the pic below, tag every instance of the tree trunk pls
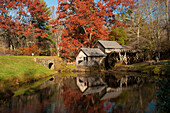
(138, 36)
(158, 31)
(151, 14)
(167, 21)
(90, 36)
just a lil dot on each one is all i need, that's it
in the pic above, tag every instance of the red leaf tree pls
(86, 21)
(32, 49)
(20, 18)
(87, 103)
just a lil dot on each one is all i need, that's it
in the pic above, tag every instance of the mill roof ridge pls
(110, 44)
(92, 51)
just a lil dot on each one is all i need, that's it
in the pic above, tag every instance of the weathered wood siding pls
(97, 59)
(81, 83)
(80, 57)
(100, 47)
(112, 50)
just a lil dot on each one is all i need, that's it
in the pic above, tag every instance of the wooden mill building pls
(108, 46)
(109, 51)
(89, 57)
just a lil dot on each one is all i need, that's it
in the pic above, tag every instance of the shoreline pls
(31, 72)
(151, 68)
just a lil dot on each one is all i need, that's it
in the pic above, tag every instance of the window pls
(79, 61)
(85, 58)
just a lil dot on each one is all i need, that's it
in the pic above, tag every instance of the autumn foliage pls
(22, 17)
(34, 49)
(26, 13)
(83, 103)
(86, 21)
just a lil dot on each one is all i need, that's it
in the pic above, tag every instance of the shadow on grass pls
(29, 75)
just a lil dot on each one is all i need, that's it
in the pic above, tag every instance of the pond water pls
(87, 93)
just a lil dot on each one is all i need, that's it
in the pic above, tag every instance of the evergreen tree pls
(118, 34)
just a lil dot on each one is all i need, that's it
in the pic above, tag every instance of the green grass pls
(21, 69)
(72, 66)
(146, 67)
(34, 86)
(25, 88)
(154, 69)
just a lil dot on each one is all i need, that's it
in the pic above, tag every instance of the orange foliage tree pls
(86, 21)
(75, 102)
(20, 18)
(34, 49)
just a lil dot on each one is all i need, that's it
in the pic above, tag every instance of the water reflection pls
(163, 94)
(82, 94)
(108, 86)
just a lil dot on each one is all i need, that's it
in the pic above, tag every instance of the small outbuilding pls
(89, 57)
(90, 85)
(108, 46)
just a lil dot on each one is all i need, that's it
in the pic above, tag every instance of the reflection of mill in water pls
(108, 87)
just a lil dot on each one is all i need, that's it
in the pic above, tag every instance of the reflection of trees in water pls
(66, 97)
(131, 100)
(122, 81)
(40, 99)
(138, 100)
(163, 93)
(75, 102)
(28, 103)
(135, 99)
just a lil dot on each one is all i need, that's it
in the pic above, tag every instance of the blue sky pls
(51, 2)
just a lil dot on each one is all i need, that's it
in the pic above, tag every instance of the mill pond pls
(88, 93)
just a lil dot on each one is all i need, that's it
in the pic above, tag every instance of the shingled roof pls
(108, 95)
(110, 44)
(92, 51)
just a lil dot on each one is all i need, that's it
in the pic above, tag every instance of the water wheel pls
(112, 59)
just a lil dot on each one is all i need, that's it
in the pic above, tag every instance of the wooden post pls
(125, 58)
(120, 56)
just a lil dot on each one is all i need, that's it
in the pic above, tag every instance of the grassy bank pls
(146, 67)
(16, 70)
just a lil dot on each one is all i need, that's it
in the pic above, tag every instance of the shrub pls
(31, 49)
